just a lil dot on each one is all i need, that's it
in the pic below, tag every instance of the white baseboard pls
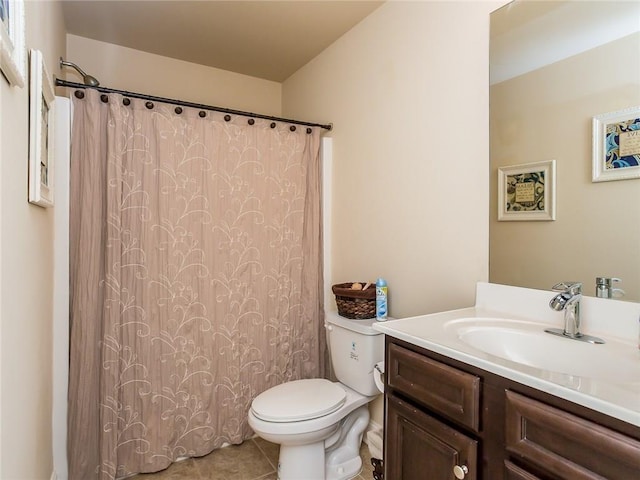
(376, 449)
(373, 426)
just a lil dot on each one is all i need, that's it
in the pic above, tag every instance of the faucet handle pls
(573, 288)
(617, 293)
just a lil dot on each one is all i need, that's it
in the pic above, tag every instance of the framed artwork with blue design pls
(616, 145)
(13, 64)
(527, 192)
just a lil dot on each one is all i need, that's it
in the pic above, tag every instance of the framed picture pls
(41, 117)
(527, 192)
(12, 46)
(616, 145)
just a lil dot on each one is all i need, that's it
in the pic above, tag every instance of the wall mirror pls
(554, 67)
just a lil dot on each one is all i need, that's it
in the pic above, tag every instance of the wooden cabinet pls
(420, 444)
(445, 390)
(425, 448)
(513, 472)
(442, 414)
(564, 445)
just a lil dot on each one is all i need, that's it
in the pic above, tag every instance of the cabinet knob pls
(460, 471)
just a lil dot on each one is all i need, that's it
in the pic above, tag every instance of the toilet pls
(319, 424)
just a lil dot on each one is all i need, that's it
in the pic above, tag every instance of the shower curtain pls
(195, 278)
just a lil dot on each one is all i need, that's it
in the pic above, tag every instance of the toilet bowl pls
(319, 424)
(304, 442)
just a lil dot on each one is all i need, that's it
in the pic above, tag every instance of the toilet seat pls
(299, 400)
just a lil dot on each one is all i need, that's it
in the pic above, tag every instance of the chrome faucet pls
(568, 300)
(604, 288)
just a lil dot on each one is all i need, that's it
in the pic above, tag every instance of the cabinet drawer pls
(513, 472)
(443, 389)
(565, 445)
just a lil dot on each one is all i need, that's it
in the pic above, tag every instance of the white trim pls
(326, 157)
(53, 476)
(1, 296)
(373, 426)
(375, 429)
(61, 287)
(42, 114)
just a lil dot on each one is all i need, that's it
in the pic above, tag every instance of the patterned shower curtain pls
(196, 278)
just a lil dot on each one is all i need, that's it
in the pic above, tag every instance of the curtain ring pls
(104, 98)
(149, 105)
(202, 113)
(273, 125)
(126, 101)
(251, 121)
(227, 118)
(292, 128)
(178, 110)
(79, 94)
(309, 130)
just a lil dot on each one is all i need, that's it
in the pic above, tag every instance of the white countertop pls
(608, 394)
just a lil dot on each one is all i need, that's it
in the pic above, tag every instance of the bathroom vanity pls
(445, 416)
(455, 411)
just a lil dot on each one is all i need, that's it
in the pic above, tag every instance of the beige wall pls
(123, 68)
(546, 114)
(407, 91)
(26, 261)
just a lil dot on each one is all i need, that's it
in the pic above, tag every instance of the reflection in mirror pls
(554, 66)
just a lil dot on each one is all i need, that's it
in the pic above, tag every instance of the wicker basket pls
(356, 304)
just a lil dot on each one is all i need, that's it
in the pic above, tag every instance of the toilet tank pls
(355, 349)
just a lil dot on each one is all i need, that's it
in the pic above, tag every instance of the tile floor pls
(255, 459)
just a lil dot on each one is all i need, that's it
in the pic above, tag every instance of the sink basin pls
(526, 343)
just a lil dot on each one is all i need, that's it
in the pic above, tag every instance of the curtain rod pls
(142, 96)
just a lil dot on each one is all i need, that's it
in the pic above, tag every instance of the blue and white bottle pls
(381, 300)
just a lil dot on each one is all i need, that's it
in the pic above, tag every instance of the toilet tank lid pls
(363, 326)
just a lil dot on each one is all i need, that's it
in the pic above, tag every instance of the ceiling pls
(265, 39)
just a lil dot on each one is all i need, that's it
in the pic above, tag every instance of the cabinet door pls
(421, 447)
